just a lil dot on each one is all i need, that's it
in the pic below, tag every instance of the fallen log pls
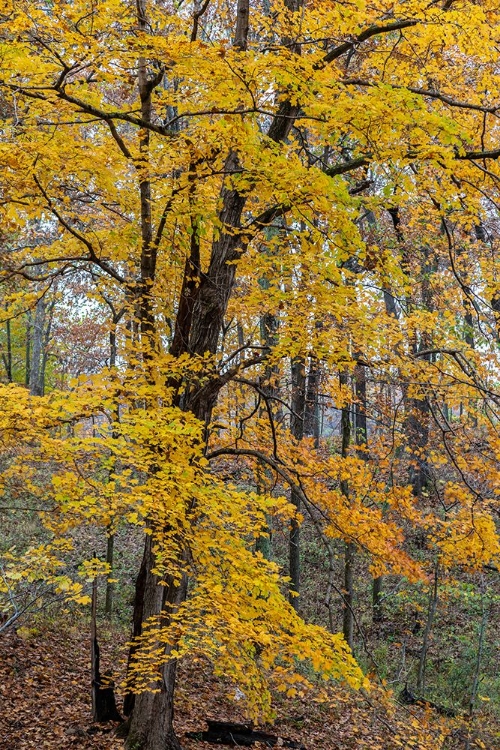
(407, 698)
(241, 735)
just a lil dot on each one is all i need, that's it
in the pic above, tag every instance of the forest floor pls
(45, 703)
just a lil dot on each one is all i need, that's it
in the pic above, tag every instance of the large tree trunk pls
(151, 723)
(197, 332)
(200, 320)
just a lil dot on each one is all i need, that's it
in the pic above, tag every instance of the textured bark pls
(189, 290)
(218, 282)
(360, 421)
(151, 724)
(242, 24)
(151, 727)
(469, 323)
(138, 615)
(418, 422)
(361, 430)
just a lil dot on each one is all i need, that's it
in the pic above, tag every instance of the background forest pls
(250, 373)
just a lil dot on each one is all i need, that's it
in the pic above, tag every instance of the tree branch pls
(341, 49)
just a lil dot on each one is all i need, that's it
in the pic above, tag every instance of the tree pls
(159, 142)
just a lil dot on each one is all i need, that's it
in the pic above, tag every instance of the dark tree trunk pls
(417, 421)
(103, 695)
(360, 421)
(361, 426)
(298, 399)
(348, 593)
(110, 545)
(241, 735)
(417, 432)
(269, 325)
(108, 606)
(7, 356)
(151, 723)
(349, 547)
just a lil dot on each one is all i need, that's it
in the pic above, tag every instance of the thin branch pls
(430, 93)
(80, 237)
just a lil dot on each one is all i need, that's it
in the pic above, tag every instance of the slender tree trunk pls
(137, 617)
(108, 606)
(360, 420)
(480, 649)
(151, 724)
(392, 311)
(151, 713)
(377, 594)
(349, 547)
(348, 612)
(469, 323)
(298, 372)
(46, 342)
(269, 325)
(93, 651)
(151, 721)
(361, 427)
(311, 413)
(7, 356)
(110, 545)
(36, 373)
(27, 356)
(427, 632)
